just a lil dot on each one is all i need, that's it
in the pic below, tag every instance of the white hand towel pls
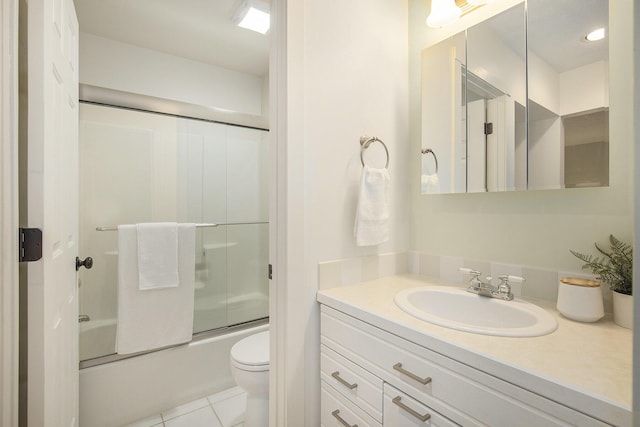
(154, 318)
(430, 184)
(372, 215)
(157, 255)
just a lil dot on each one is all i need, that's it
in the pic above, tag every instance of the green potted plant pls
(615, 268)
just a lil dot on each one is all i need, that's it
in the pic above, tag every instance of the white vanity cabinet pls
(359, 386)
(401, 383)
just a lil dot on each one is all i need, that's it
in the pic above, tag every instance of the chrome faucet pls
(83, 318)
(486, 289)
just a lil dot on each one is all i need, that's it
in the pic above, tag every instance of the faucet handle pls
(475, 282)
(504, 288)
(474, 273)
(512, 279)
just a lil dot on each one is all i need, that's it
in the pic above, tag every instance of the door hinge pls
(30, 244)
(270, 272)
(488, 128)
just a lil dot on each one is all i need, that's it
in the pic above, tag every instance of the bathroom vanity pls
(383, 367)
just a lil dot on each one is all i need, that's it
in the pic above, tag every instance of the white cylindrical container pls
(580, 299)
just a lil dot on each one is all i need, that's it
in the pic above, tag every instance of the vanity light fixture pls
(478, 2)
(595, 35)
(253, 15)
(443, 13)
(447, 12)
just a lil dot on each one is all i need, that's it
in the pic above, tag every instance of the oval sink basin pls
(458, 309)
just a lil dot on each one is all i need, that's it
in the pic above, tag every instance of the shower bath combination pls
(140, 167)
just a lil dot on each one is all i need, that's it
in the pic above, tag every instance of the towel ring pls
(366, 141)
(430, 151)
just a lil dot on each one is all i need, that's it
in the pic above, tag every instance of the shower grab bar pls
(115, 228)
(429, 150)
(365, 142)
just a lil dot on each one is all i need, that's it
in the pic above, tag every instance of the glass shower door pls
(145, 167)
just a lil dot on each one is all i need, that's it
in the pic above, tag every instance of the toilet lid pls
(252, 351)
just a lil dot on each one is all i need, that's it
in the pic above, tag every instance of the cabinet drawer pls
(336, 411)
(356, 384)
(459, 392)
(402, 410)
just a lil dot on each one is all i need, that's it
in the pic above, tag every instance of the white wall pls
(544, 83)
(584, 88)
(580, 89)
(346, 76)
(355, 84)
(535, 228)
(115, 65)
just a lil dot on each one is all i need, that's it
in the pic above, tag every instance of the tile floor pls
(224, 409)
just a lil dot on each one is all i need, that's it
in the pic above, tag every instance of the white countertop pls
(586, 366)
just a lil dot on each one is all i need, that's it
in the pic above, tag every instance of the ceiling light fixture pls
(253, 15)
(595, 35)
(443, 13)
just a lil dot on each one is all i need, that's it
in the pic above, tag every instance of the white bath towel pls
(372, 215)
(430, 184)
(157, 255)
(154, 318)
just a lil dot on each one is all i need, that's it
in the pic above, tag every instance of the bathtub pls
(97, 338)
(120, 392)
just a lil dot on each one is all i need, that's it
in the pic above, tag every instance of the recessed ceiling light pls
(595, 35)
(253, 15)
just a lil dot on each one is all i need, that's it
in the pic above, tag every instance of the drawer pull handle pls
(336, 375)
(422, 418)
(398, 367)
(341, 420)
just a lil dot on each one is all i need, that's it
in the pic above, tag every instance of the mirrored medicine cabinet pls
(519, 101)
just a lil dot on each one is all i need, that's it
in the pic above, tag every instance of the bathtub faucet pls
(83, 318)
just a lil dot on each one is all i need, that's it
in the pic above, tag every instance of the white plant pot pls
(623, 310)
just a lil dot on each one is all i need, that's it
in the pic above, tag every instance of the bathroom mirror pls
(496, 99)
(507, 107)
(444, 142)
(568, 94)
(473, 108)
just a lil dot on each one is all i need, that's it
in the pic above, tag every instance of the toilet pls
(250, 370)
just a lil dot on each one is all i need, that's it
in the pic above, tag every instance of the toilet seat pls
(251, 353)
